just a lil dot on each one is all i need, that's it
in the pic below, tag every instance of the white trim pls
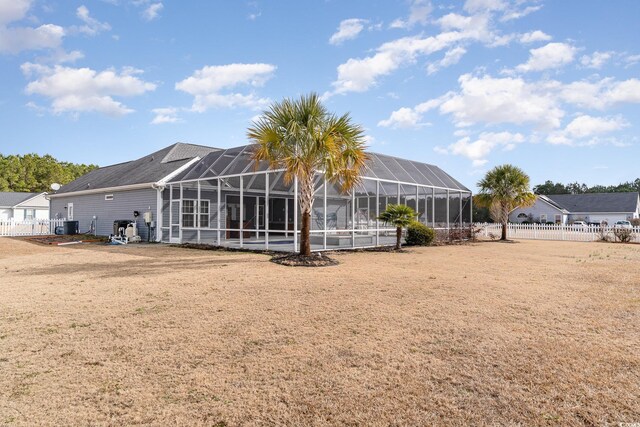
(104, 190)
(164, 180)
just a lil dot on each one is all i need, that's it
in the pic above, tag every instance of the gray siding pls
(107, 211)
(538, 208)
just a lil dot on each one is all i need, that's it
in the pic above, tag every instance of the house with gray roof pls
(114, 192)
(222, 197)
(23, 206)
(594, 208)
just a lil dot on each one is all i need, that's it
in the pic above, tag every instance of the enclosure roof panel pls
(238, 160)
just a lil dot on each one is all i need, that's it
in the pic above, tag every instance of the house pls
(593, 208)
(23, 206)
(220, 196)
(114, 192)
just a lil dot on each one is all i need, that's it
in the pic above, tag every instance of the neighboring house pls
(220, 196)
(21, 206)
(589, 207)
(114, 192)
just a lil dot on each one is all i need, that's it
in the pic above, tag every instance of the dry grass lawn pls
(529, 333)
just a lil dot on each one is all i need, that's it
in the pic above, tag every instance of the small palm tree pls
(400, 216)
(503, 189)
(302, 137)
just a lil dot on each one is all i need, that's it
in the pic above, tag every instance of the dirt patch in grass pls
(296, 260)
(538, 333)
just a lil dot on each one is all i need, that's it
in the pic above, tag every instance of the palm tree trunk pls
(398, 237)
(305, 198)
(505, 221)
(305, 240)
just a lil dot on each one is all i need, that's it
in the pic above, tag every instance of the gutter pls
(102, 190)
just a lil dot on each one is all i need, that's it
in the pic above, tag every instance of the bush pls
(623, 235)
(419, 234)
(635, 222)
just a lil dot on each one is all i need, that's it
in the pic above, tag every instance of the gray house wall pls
(540, 207)
(121, 207)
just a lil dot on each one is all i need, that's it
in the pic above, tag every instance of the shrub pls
(635, 222)
(419, 234)
(623, 235)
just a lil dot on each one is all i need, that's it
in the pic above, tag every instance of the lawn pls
(527, 333)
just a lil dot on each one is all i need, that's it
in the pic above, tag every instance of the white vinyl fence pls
(553, 232)
(29, 227)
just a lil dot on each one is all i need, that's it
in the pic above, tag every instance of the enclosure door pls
(174, 229)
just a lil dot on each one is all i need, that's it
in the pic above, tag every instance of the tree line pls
(550, 187)
(34, 174)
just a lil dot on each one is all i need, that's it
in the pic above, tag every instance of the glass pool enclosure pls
(225, 200)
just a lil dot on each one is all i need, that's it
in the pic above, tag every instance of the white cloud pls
(512, 14)
(152, 11)
(405, 117)
(475, 6)
(77, 90)
(595, 60)
(600, 94)
(17, 39)
(165, 115)
(452, 57)
(552, 55)
(13, 10)
(91, 25)
(479, 149)
(402, 118)
(359, 75)
(501, 100)
(208, 83)
(534, 36)
(418, 14)
(585, 126)
(347, 30)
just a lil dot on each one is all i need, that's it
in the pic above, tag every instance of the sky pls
(552, 86)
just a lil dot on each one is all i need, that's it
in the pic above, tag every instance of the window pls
(192, 217)
(108, 196)
(188, 213)
(29, 213)
(543, 218)
(558, 219)
(204, 213)
(70, 211)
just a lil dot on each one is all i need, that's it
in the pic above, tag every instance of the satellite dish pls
(55, 186)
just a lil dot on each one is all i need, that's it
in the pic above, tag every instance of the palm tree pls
(503, 189)
(302, 137)
(400, 216)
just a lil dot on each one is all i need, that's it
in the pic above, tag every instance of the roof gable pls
(11, 199)
(148, 169)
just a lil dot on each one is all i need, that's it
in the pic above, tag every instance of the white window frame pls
(29, 214)
(192, 214)
(70, 211)
(196, 213)
(558, 218)
(201, 214)
(543, 218)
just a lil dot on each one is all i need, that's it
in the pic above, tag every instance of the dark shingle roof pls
(8, 199)
(597, 202)
(238, 160)
(150, 168)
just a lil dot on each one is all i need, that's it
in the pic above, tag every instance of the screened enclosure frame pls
(259, 235)
(228, 199)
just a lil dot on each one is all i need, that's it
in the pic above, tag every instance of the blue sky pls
(550, 86)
